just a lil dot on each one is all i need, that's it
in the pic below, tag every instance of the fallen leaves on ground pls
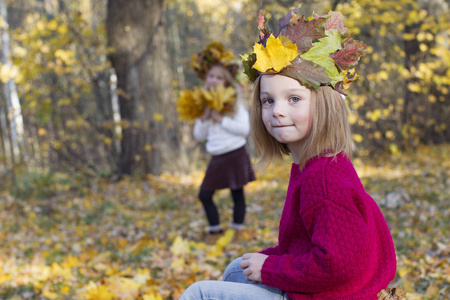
(144, 239)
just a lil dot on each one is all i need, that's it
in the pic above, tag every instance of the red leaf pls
(261, 25)
(348, 57)
(335, 21)
(303, 33)
(306, 72)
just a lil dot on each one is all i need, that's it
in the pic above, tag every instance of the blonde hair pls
(230, 81)
(330, 132)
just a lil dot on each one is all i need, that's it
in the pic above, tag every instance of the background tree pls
(137, 38)
(13, 111)
(401, 99)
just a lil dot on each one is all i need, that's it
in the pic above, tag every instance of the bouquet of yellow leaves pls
(192, 103)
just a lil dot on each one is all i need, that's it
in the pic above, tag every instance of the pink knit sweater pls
(333, 240)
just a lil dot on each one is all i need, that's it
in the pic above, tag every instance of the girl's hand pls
(216, 116)
(252, 264)
(206, 114)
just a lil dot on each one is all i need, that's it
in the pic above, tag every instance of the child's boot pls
(212, 236)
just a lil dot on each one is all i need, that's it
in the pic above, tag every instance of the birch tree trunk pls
(136, 35)
(14, 113)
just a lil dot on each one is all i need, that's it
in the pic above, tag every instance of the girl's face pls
(215, 77)
(285, 109)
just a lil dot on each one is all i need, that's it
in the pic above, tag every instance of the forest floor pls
(143, 239)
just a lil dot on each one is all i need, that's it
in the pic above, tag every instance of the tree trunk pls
(14, 112)
(136, 35)
(411, 48)
(6, 144)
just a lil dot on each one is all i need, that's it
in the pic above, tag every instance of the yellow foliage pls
(352, 118)
(394, 149)
(142, 275)
(62, 29)
(374, 115)
(94, 292)
(432, 291)
(383, 75)
(49, 295)
(52, 25)
(66, 56)
(118, 273)
(42, 131)
(179, 246)
(152, 296)
(158, 117)
(8, 72)
(275, 56)
(191, 103)
(217, 248)
(357, 138)
(414, 87)
(124, 288)
(220, 99)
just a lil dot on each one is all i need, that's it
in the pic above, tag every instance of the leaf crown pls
(214, 54)
(315, 50)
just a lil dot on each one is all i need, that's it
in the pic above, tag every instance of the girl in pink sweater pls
(333, 240)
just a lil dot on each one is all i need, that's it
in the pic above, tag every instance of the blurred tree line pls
(89, 86)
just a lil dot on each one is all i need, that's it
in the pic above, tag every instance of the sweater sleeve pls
(239, 124)
(339, 248)
(201, 129)
(270, 251)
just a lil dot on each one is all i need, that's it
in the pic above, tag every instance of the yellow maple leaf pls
(219, 97)
(179, 246)
(49, 295)
(178, 263)
(93, 291)
(142, 275)
(124, 288)
(225, 239)
(156, 296)
(190, 104)
(275, 55)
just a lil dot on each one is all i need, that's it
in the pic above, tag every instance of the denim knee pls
(192, 292)
(233, 270)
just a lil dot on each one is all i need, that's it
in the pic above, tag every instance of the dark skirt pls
(229, 170)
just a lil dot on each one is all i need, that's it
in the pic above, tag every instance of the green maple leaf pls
(248, 60)
(320, 54)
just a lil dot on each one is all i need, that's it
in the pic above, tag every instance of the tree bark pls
(136, 36)
(14, 112)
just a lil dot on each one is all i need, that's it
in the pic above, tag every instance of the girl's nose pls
(278, 109)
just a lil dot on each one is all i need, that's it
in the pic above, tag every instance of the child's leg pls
(210, 209)
(239, 208)
(234, 286)
(234, 272)
(224, 290)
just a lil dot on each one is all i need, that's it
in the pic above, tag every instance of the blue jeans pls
(234, 286)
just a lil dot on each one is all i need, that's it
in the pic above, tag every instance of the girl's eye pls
(294, 99)
(267, 101)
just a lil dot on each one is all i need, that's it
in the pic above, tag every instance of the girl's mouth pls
(280, 126)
